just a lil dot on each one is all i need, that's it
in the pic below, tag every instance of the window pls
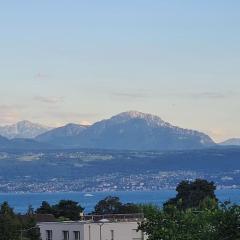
(76, 235)
(65, 235)
(112, 234)
(48, 234)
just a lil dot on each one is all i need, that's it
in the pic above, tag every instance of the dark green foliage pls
(9, 223)
(147, 209)
(67, 209)
(29, 230)
(227, 220)
(191, 194)
(129, 208)
(13, 226)
(221, 223)
(113, 205)
(6, 210)
(45, 208)
(109, 205)
(193, 214)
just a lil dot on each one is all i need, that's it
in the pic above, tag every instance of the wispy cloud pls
(133, 95)
(72, 115)
(211, 95)
(156, 94)
(9, 114)
(41, 76)
(201, 95)
(218, 135)
(49, 100)
(60, 118)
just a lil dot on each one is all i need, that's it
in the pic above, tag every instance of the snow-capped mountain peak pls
(151, 120)
(69, 130)
(23, 129)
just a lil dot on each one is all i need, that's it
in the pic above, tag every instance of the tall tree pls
(29, 229)
(109, 205)
(192, 194)
(68, 209)
(45, 208)
(9, 223)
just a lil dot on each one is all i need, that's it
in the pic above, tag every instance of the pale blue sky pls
(76, 61)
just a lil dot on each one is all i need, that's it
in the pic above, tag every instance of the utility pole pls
(101, 223)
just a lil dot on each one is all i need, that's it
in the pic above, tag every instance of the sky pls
(82, 61)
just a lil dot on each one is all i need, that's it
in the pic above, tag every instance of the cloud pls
(165, 95)
(202, 95)
(218, 135)
(84, 122)
(9, 114)
(133, 95)
(212, 95)
(49, 100)
(41, 76)
(72, 115)
(60, 118)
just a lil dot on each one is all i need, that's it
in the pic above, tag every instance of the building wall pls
(91, 231)
(119, 231)
(58, 228)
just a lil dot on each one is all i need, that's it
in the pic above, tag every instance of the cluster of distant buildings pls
(118, 182)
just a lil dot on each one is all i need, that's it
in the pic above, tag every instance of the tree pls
(29, 229)
(109, 205)
(67, 209)
(191, 194)
(9, 223)
(129, 208)
(30, 210)
(148, 209)
(227, 221)
(194, 214)
(6, 210)
(45, 208)
(113, 205)
(175, 224)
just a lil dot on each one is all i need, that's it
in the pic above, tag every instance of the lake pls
(21, 201)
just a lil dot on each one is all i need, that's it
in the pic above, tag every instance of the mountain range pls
(23, 129)
(231, 142)
(139, 131)
(63, 135)
(21, 143)
(128, 130)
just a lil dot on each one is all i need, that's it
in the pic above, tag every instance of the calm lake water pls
(20, 202)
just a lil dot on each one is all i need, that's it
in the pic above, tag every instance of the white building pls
(115, 228)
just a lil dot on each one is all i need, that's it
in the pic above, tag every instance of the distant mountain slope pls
(3, 141)
(138, 131)
(62, 135)
(27, 144)
(23, 129)
(129, 130)
(21, 143)
(232, 141)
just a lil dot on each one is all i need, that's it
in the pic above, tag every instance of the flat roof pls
(106, 218)
(84, 222)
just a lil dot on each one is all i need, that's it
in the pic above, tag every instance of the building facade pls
(103, 229)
